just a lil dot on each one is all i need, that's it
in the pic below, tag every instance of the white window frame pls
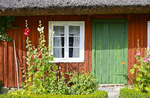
(148, 34)
(82, 40)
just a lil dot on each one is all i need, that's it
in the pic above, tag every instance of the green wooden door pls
(110, 51)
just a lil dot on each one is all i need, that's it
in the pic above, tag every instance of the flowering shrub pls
(41, 76)
(142, 71)
(27, 31)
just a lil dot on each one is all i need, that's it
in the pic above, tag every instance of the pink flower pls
(145, 60)
(138, 53)
(148, 57)
(26, 31)
(26, 34)
(148, 44)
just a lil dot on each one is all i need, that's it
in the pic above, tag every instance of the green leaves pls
(134, 65)
(5, 23)
(142, 72)
(40, 72)
(82, 83)
(132, 71)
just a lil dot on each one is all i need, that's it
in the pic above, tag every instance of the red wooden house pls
(99, 35)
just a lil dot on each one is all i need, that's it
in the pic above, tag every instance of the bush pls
(133, 93)
(82, 83)
(142, 71)
(96, 94)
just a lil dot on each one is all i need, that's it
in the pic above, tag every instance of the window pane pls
(58, 42)
(74, 31)
(58, 30)
(74, 42)
(58, 52)
(73, 52)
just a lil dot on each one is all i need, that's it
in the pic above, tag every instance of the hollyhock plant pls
(26, 31)
(40, 29)
(148, 57)
(142, 71)
(145, 60)
(39, 73)
(148, 44)
(138, 53)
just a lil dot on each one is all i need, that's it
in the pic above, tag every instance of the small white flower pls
(40, 29)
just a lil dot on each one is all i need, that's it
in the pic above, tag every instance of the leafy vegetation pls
(40, 72)
(5, 23)
(44, 77)
(142, 71)
(82, 83)
(133, 93)
(96, 94)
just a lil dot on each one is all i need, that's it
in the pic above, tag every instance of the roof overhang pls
(75, 11)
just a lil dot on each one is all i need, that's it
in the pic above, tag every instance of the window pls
(68, 41)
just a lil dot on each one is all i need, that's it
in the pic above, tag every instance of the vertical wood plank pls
(14, 73)
(130, 44)
(5, 64)
(93, 48)
(21, 51)
(86, 48)
(1, 62)
(10, 64)
(89, 30)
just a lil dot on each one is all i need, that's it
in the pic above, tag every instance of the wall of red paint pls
(137, 25)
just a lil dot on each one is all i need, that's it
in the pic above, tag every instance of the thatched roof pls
(48, 7)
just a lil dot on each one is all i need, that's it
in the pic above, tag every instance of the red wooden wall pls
(137, 30)
(7, 61)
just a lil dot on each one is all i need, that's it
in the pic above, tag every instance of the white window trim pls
(148, 34)
(82, 40)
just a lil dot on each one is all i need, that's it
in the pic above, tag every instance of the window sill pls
(68, 61)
